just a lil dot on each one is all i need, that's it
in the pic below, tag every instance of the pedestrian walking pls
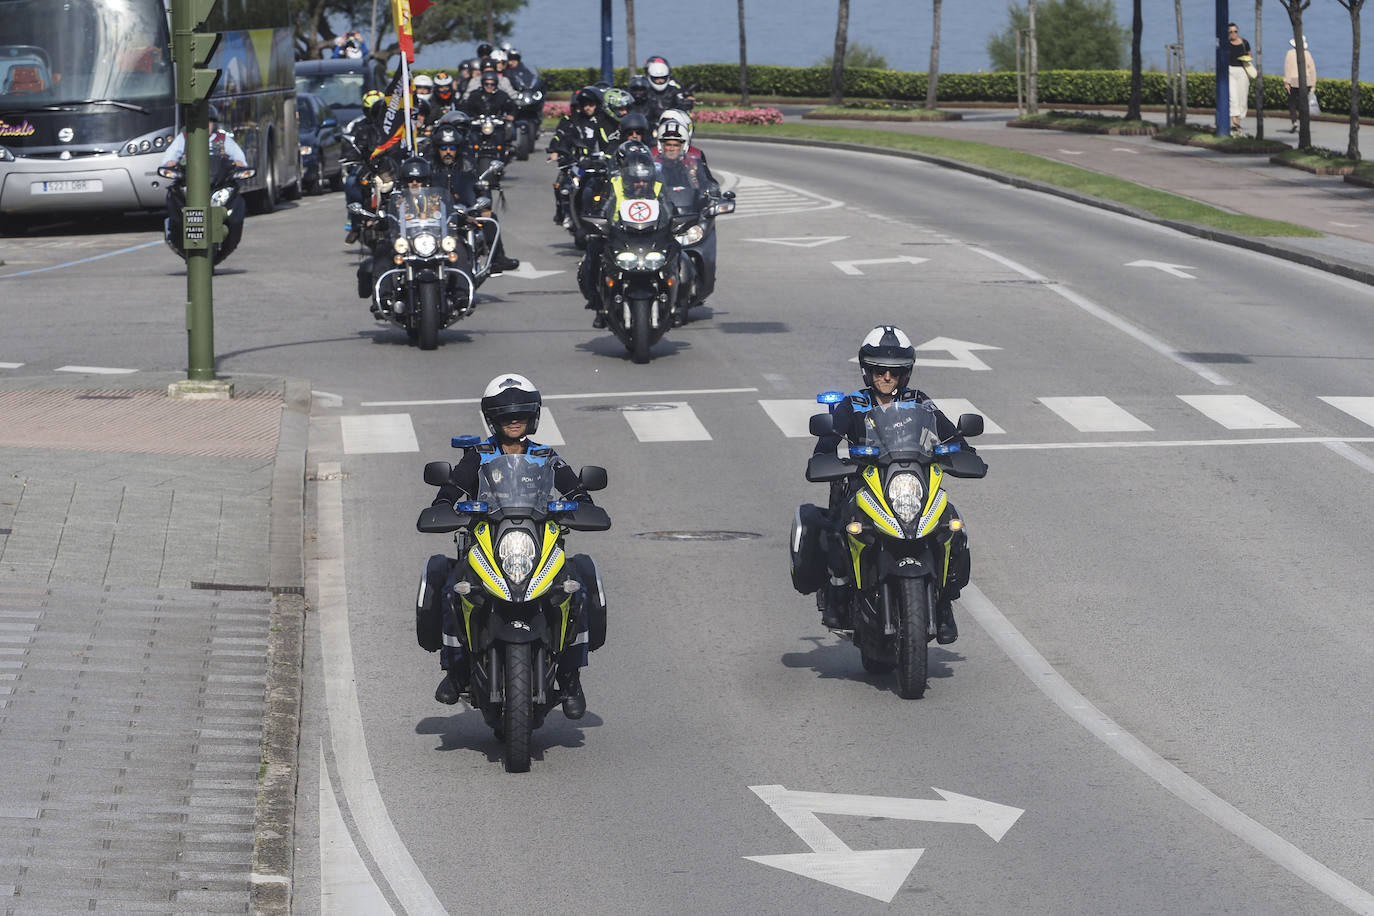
(1241, 72)
(1290, 80)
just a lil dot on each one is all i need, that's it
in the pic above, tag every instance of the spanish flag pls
(402, 11)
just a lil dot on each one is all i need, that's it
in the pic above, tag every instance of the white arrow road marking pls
(851, 267)
(1071, 152)
(94, 370)
(526, 271)
(10, 365)
(877, 873)
(1176, 270)
(1346, 225)
(961, 353)
(803, 241)
(1125, 149)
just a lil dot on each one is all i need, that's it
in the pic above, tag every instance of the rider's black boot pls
(454, 684)
(833, 600)
(946, 631)
(574, 701)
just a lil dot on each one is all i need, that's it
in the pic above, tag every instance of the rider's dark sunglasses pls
(448, 146)
(880, 371)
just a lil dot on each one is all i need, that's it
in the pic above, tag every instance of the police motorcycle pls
(642, 272)
(897, 533)
(430, 284)
(225, 176)
(515, 603)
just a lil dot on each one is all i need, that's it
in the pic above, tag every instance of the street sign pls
(193, 226)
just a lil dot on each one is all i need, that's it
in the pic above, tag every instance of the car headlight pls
(6, 155)
(904, 495)
(401, 246)
(516, 552)
(307, 150)
(655, 259)
(221, 197)
(691, 236)
(425, 244)
(626, 260)
(448, 243)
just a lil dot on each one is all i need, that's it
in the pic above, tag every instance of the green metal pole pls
(200, 322)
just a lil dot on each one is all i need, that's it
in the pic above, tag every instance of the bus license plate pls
(70, 186)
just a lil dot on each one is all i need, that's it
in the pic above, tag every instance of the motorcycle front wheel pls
(429, 316)
(913, 624)
(517, 709)
(639, 330)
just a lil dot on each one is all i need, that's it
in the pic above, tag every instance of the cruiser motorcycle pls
(224, 192)
(898, 529)
(514, 600)
(430, 285)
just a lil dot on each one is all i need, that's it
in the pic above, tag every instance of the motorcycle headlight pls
(448, 243)
(626, 260)
(538, 96)
(691, 236)
(516, 552)
(221, 197)
(488, 127)
(655, 259)
(425, 244)
(307, 150)
(401, 246)
(904, 495)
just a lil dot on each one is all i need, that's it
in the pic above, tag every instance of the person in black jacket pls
(488, 99)
(511, 406)
(886, 357)
(583, 131)
(454, 173)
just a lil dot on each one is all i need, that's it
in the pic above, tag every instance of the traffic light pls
(192, 50)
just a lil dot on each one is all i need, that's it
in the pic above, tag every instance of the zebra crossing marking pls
(952, 407)
(670, 421)
(378, 433)
(792, 416)
(1361, 409)
(1236, 411)
(1095, 415)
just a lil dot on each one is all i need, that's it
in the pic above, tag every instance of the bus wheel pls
(265, 201)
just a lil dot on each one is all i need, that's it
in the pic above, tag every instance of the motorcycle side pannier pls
(587, 573)
(809, 568)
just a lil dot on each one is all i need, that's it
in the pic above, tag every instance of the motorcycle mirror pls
(821, 425)
(592, 478)
(728, 195)
(596, 223)
(970, 424)
(437, 473)
(440, 519)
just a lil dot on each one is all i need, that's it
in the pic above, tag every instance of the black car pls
(321, 142)
(341, 82)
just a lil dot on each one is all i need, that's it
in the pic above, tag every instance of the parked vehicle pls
(322, 144)
(898, 535)
(225, 178)
(340, 82)
(516, 604)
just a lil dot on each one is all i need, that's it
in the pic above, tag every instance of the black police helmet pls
(416, 169)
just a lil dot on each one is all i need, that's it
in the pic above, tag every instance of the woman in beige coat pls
(1290, 79)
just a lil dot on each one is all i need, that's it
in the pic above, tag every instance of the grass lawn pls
(1025, 165)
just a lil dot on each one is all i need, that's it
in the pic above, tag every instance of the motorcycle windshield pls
(517, 484)
(420, 211)
(905, 428)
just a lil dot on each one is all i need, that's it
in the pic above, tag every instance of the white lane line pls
(378, 433)
(346, 886)
(793, 417)
(559, 397)
(327, 583)
(10, 365)
(952, 407)
(1237, 411)
(1097, 311)
(1328, 441)
(94, 370)
(1351, 454)
(108, 254)
(1361, 409)
(678, 423)
(1188, 790)
(1095, 415)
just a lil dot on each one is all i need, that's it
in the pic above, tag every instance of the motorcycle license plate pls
(69, 186)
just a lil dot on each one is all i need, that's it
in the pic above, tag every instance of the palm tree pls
(1352, 149)
(744, 60)
(837, 63)
(1295, 10)
(630, 35)
(933, 77)
(1133, 103)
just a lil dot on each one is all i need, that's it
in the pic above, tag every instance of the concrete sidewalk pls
(151, 599)
(1248, 184)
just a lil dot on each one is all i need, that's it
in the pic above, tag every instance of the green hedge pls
(1067, 87)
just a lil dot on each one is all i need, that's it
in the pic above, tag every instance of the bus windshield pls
(80, 50)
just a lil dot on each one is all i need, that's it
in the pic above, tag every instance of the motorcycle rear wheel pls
(517, 709)
(913, 624)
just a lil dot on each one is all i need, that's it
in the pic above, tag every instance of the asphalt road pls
(1170, 549)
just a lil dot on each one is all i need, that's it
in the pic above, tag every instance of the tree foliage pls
(857, 54)
(1070, 35)
(446, 20)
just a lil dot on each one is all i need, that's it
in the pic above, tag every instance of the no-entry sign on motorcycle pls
(639, 211)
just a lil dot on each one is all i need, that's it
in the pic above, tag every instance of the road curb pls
(1347, 269)
(274, 820)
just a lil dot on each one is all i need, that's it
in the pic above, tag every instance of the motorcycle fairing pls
(482, 559)
(550, 562)
(936, 502)
(874, 503)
